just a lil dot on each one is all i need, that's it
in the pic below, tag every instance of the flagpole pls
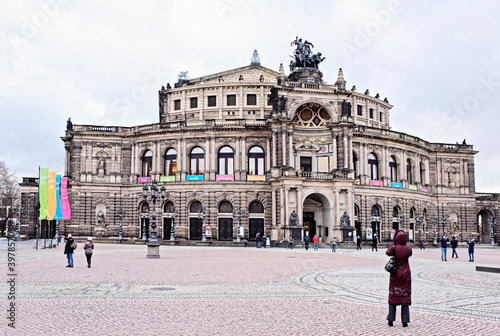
(38, 203)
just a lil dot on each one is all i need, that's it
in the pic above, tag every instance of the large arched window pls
(168, 207)
(195, 207)
(225, 207)
(197, 161)
(373, 166)
(147, 164)
(409, 175)
(256, 207)
(393, 169)
(226, 161)
(422, 173)
(256, 161)
(170, 162)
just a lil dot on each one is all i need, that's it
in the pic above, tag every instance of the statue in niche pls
(101, 166)
(294, 219)
(345, 221)
(100, 218)
(346, 108)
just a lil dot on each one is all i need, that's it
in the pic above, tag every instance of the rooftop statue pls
(255, 57)
(303, 56)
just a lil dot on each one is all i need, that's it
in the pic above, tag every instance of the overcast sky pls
(102, 63)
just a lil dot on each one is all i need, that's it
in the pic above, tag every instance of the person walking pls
(471, 244)
(315, 243)
(400, 281)
(421, 243)
(307, 240)
(89, 250)
(334, 244)
(264, 240)
(375, 243)
(454, 244)
(68, 250)
(444, 247)
(358, 243)
(258, 239)
(290, 242)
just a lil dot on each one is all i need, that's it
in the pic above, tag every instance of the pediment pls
(250, 74)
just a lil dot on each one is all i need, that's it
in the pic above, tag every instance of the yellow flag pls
(52, 201)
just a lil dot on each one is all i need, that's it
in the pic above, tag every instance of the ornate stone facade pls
(270, 144)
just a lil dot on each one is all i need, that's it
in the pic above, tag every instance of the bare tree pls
(10, 192)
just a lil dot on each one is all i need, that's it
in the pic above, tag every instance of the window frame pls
(198, 159)
(258, 160)
(228, 161)
(170, 162)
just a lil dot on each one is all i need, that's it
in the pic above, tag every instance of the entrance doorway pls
(306, 163)
(167, 227)
(255, 225)
(195, 228)
(309, 224)
(226, 229)
(144, 228)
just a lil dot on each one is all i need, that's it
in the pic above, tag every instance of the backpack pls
(73, 245)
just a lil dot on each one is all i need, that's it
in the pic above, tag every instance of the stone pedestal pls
(153, 251)
(306, 75)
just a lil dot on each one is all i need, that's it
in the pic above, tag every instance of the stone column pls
(274, 149)
(282, 206)
(237, 160)
(334, 156)
(273, 205)
(208, 165)
(290, 148)
(283, 146)
(300, 206)
(243, 158)
(344, 140)
(268, 154)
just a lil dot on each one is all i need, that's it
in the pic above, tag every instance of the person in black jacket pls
(454, 244)
(68, 251)
(307, 240)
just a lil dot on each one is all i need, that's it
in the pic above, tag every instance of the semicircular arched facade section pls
(311, 115)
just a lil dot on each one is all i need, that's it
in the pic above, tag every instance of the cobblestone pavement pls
(244, 291)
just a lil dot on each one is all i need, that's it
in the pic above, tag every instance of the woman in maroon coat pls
(400, 282)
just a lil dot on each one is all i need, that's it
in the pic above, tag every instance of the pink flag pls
(66, 211)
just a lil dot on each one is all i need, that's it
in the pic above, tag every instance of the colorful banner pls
(376, 183)
(397, 185)
(66, 211)
(58, 198)
(51, 200)
(224, 178)
(194, 177)
(167, 178)
(256, 178)
(144, 179)
(412, 187)
(43, 192)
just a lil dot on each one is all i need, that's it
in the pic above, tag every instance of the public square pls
(245, 291)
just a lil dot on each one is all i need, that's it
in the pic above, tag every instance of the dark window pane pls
(177, 104)
(231, 100)
(193, 102)
(251, 99)
(212, 100)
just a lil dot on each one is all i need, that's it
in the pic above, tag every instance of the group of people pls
(70, 247)
(454, 244)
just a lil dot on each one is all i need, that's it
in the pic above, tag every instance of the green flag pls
(43, 191)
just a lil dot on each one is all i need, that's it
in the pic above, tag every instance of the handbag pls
(391, 266)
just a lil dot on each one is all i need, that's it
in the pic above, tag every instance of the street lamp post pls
(173, 213)
(434, 221)
(376, 220)
(153, 245)
(202, 213)
(121, 214)
(238, 212)
(443, 222)
(16, 211)
(493, 222)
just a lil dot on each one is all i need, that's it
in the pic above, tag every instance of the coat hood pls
(400, 237)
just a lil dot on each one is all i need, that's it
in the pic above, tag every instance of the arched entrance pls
(316, 217)
(484, 228)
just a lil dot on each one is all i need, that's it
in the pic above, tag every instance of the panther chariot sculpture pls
(303, 56)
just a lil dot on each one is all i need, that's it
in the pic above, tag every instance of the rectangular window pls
(371, 113)
(251, 99)
(360, 110)
(177, 104)
(212, 101)
(231, 100)
(193, 102)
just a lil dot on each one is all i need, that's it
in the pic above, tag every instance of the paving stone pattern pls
(245, 291)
